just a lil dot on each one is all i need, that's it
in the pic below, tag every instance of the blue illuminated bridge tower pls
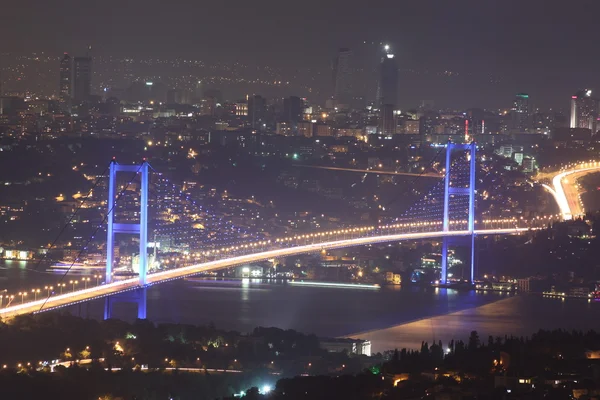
(141, 229)
(459, 201)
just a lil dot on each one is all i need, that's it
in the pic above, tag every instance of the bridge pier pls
(137, 296)
(444, 275)
(446, 242)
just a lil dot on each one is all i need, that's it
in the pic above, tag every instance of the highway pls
(88, 361)
(374, 171)
(78, 296)
(566, 192)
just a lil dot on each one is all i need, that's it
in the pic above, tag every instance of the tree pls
(252, 393)
(84, 354)
(473, 341)
(66, 355)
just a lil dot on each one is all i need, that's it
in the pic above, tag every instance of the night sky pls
(491, 49)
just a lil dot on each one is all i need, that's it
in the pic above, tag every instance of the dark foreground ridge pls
(63, 357)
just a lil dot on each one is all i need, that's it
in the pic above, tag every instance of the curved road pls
(84, 295)
(566, 191)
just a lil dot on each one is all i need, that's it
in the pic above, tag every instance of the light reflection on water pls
(514, 315)
(389, 317)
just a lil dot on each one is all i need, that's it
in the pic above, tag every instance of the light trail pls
(565, 191)
(334, 285)
(79, 296)
(87, 361)
(370, 171)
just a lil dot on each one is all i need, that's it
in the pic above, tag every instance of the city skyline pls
(460, 55)
(385, 175)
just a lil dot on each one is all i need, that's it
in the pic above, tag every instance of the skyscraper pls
(388, 79)
(584, 110)
(520, 112)
(342, 78)
(293, 108)
(82, 73)
(198, 93)
(1, 92)
(257, 111)
(65, 86)
(387, 92)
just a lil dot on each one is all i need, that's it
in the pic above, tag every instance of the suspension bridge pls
(447, 212)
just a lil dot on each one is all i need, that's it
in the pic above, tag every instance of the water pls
(520, 315)
(389, 317)
(21, 275)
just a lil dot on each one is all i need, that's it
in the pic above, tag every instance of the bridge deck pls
(84, 295)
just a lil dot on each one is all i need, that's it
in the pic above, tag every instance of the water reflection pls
(245, 290)
(515, 315)
(391, 317)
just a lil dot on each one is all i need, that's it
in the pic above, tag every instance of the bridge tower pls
(138, 296)
(453, 192)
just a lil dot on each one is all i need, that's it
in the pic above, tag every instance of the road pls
(88, 361)
(374, 171)
(566, 192)
(84, 295)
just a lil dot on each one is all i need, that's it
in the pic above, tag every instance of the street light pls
(97, 278)
(73, 283)
(35, 293)
(23, 295)
(48, 289)
(85, 282)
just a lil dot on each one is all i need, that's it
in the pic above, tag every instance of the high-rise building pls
(1, 93)
(520, 112)
(82, 78)
(257, 111)
(241, 109)
(584, 110)
(305, 128)
(387, 92)
(428, 123)
(388, 79)
(211, 99)
(66, 79)
(293, 108)
(387, 120)
(198, 93)
(179, 96)
(342, 78)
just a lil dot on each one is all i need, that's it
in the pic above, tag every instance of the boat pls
(64, 265)
(125, 273)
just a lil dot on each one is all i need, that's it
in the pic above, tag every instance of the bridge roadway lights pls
(97, 292)
(137, 296)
